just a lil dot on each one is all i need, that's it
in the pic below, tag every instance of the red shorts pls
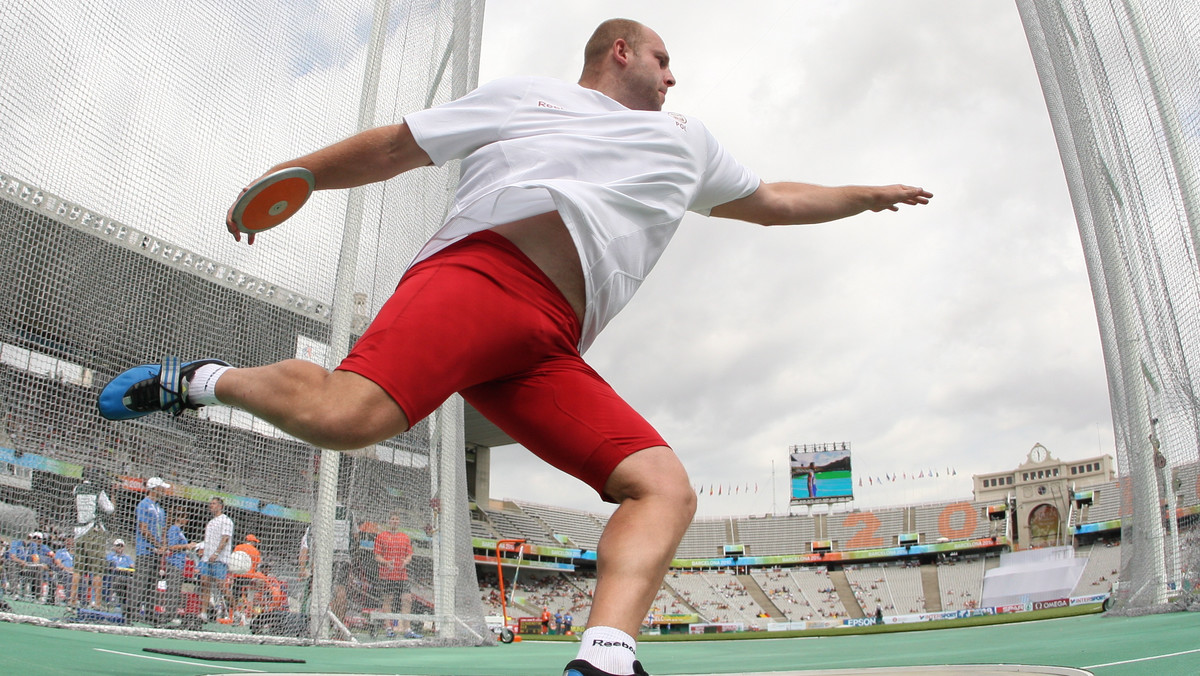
(479, 318)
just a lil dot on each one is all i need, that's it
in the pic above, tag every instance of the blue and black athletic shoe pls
(144, 389)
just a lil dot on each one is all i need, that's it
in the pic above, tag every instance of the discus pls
(273, 199)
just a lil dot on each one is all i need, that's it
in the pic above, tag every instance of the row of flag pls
(726, 489)
(908, 476)
(752, 488)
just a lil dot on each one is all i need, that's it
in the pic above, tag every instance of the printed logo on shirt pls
(543, 104)
(680, 120)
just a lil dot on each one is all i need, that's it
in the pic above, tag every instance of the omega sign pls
(1054, 603)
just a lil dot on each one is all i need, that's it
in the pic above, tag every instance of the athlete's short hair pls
(606, 34)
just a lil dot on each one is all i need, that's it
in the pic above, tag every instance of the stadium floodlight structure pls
(129, 128)
(1120, 78)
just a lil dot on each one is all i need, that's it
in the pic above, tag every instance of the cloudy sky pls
(951, 336)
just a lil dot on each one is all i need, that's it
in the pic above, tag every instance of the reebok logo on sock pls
(613, 644)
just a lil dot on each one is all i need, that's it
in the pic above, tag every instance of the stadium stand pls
(1187, 481)
(818, 591)
(1103, 566)
(483, 530)
(704, 539)
(549, 590)
(581, 529)
(668, 602)
(783, 592)
(903, 582)
(717, 597)
(870, 589)
(517, 524)
(775, 535)
(530, 591)
(929, 520)
(585, 581)
(1106, 505)
(489, 592)
(896, 587)
(872, 529)
(960, 582)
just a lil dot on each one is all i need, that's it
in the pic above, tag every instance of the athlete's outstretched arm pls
(367, 157)
(786, 203)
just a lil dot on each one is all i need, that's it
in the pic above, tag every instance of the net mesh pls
(128, 129)
(1120, 78)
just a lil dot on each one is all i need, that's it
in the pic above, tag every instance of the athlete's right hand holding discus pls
(268, 201)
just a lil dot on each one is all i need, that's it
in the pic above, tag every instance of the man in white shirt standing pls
(214, 562)
(568, 195)
(91, 540)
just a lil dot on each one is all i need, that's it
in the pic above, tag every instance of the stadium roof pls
(481, 432)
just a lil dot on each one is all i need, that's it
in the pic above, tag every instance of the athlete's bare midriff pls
(545, 240)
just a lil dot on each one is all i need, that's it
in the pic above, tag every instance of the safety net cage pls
(129, 128)
(1122, 84)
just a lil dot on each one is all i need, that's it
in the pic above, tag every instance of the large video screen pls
(821, 472)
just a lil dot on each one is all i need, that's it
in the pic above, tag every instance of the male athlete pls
(568, 195)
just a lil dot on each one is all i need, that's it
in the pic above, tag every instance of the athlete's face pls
(649, 74)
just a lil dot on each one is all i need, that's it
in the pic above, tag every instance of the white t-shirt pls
(89, 502)
(621, 179)
(217, 527)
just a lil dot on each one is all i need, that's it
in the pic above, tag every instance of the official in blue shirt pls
(120, 571)
(151, 544)
(177, 546)
(30, 560)
(63, 565)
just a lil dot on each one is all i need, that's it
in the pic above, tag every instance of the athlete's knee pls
(685, 497)
(654, 473)
(672, 484)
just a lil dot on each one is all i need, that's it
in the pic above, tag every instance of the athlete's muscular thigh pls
(338, 410)
(567, 415)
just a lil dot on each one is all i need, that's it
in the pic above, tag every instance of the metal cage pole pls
(342, 317)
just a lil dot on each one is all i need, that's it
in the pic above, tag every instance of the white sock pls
(608, 649)
(203, 388)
